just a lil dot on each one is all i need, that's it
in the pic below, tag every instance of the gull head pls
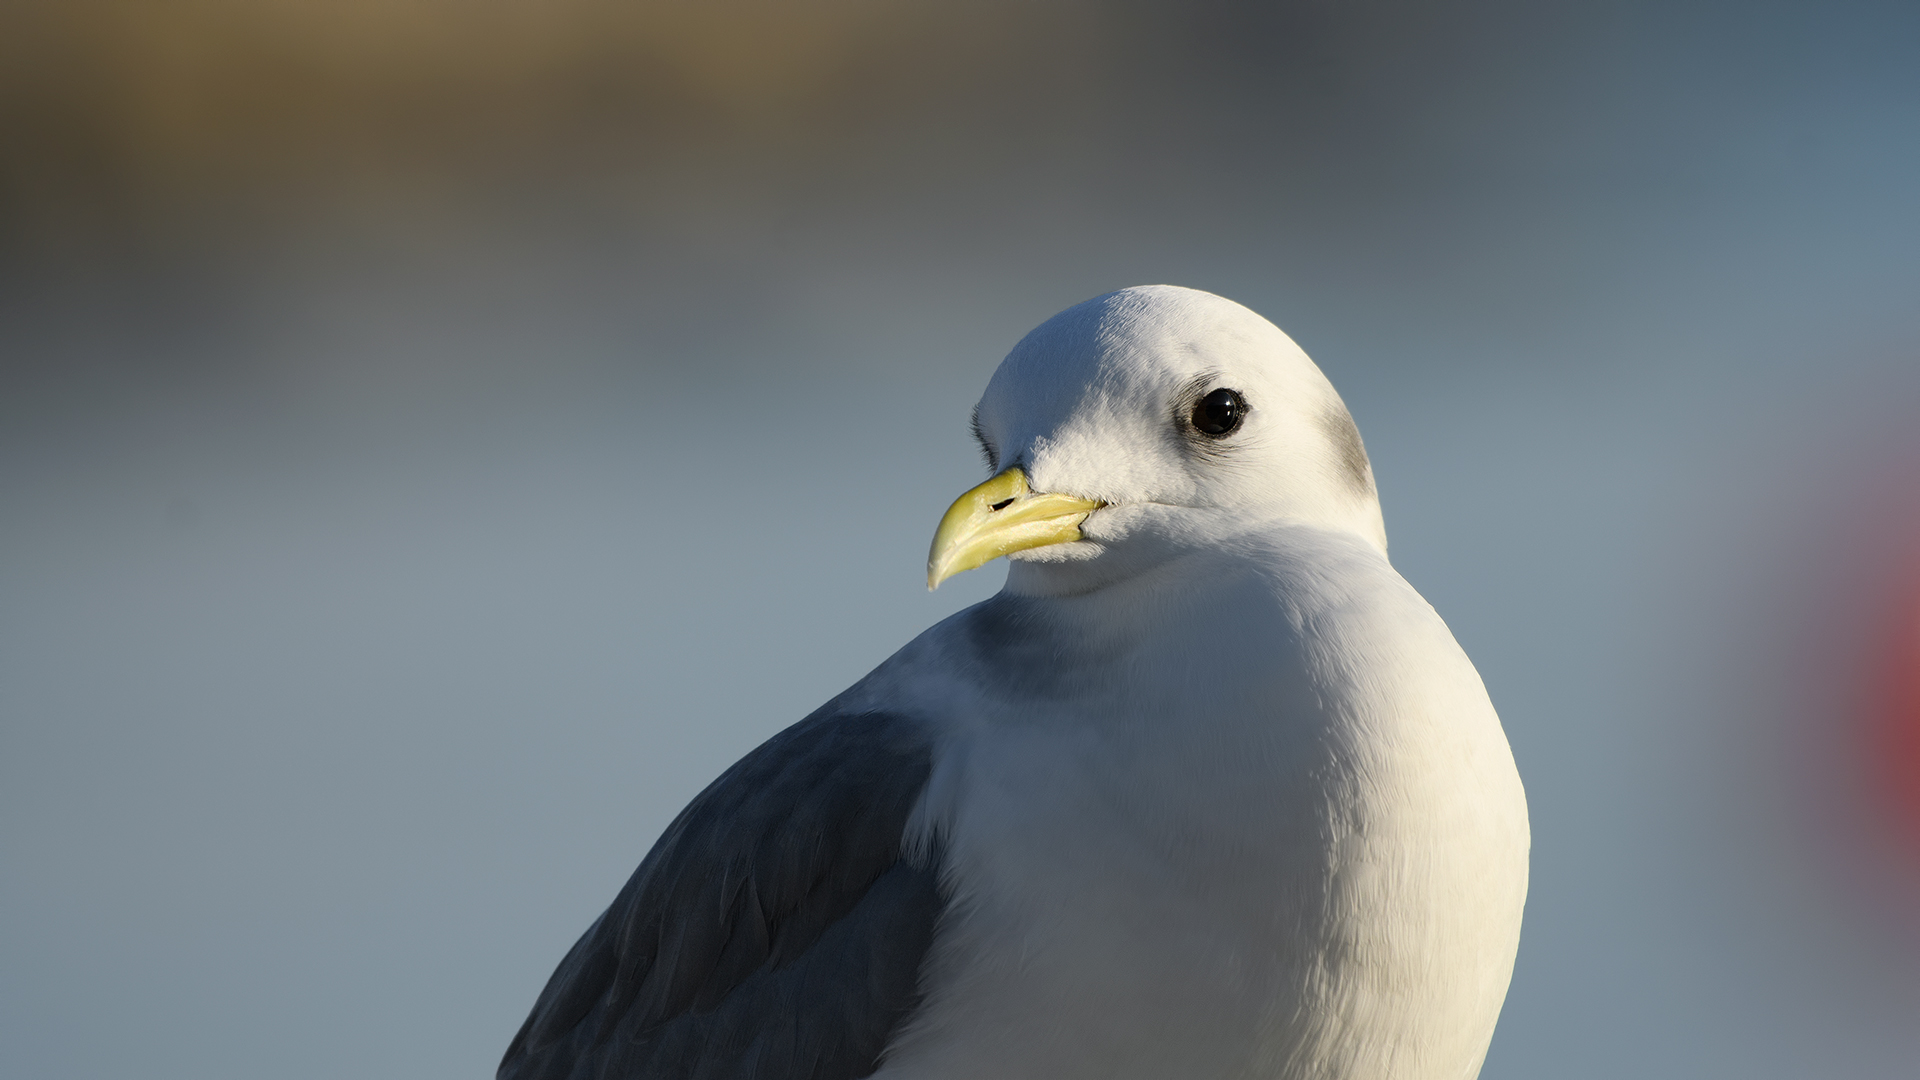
(1143, 424)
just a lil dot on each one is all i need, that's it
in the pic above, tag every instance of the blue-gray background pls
(436, 438)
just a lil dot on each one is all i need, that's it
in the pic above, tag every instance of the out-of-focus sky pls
(436, 438)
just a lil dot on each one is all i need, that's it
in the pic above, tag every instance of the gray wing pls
(776, 930)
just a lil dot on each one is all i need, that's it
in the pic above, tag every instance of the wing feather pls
(776, 931)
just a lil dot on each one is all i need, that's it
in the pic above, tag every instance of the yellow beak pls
(999, 517)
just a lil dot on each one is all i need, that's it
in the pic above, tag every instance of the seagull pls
(1207, 791)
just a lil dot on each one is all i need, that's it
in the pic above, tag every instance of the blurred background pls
(437, 437)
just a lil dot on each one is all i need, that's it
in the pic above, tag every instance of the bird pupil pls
(1219, 412)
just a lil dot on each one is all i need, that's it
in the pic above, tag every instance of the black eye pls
(1219, 413)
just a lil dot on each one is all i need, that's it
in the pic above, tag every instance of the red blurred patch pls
(1894, 723)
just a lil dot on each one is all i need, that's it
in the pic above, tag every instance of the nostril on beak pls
(1001, 505)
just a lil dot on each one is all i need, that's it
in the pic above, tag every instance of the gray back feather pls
(776, 930)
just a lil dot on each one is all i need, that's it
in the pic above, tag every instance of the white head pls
(1187, 417)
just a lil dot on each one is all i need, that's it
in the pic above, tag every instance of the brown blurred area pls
(124, 118)
(128, 122)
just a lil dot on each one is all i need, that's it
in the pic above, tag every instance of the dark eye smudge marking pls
(1345, 437)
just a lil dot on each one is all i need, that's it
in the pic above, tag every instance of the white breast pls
(1248, 818)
